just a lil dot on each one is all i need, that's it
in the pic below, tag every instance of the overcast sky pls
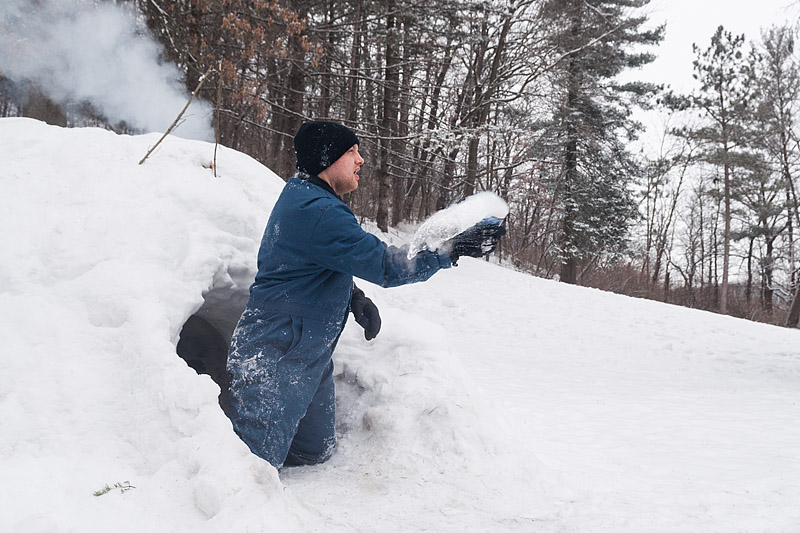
(695, 21)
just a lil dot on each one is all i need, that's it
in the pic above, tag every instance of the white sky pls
(695, 21)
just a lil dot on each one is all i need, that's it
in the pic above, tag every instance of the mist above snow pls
(81, 50)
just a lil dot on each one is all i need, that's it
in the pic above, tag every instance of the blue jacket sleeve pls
(339, 243)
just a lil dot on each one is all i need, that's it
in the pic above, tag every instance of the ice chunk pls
(459, 217)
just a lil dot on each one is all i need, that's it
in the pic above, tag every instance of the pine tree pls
(598, 40)
(778, 101)
(725, 100)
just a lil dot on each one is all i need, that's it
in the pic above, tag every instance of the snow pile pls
(459, 217)
(659, 418)
(490, 401)
(419, 444)
(104, 261)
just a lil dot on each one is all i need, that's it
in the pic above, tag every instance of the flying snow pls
(459, 217)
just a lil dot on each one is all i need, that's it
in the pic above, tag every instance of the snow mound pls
(108, 266)
(419, 440)
(459, 217)
(104, 261)
(490, 401)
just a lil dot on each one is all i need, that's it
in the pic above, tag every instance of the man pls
(280, 362)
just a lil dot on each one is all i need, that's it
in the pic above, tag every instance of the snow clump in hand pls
(457, 218)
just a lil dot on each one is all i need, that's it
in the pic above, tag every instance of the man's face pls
(342, 176)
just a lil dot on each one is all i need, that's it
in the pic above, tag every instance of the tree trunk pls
(355, 63)
(726, 237)
(748, 289)
(400, 180)
(388, 120)
(794, 311)
(483, 99)
(323, 111)
(294, 103)
(790, 240)
(426, 157)
(445, 192)
(768, 275)
(569, 263)
(472, 165)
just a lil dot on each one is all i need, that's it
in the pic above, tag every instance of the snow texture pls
(459, 217)
(490, 401)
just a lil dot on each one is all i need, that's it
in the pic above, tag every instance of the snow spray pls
(459, 217)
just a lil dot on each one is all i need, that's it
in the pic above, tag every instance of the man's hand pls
(365, 313)
(479, 240)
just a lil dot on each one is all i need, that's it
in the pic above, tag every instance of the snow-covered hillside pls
(490, 401)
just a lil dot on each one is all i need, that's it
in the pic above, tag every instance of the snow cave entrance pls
(205, 336)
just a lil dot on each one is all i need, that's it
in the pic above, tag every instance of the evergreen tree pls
(760, 192)
(598, 40)
(725, 100)
(779, 96)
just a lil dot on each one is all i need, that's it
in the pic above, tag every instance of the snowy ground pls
(490, 401)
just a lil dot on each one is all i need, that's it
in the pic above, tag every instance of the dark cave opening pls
(205, 337)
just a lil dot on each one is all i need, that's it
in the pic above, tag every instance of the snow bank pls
(490, 401)
(104, 261)
(420, 446)
(658, 418)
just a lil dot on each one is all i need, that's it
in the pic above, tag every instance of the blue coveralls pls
(280, 363)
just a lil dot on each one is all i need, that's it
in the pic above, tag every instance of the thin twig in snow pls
(169, 130)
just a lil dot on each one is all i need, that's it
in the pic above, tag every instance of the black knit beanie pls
(318, 144)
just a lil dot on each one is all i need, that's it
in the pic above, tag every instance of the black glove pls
(365, 313)
(479, 240)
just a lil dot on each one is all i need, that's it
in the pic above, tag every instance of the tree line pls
(729, 232)
(524, 98)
